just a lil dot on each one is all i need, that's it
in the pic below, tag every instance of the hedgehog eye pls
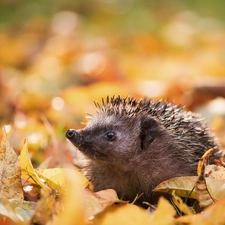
(110, 136)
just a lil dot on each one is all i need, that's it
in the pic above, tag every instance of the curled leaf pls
(203, 195)
(203, 161)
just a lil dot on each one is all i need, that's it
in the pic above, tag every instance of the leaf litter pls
(67, 197)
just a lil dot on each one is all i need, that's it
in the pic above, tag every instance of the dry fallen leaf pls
(10, 183)
(74, 211)
(46, 208)
(214, 214)
(55, 178)
(186, 220)
(27, 169)
(181, 205)
(23, 209)
(7, 212)
(164, 214)
(96, 202)
(203, 195)
(215, 171)
(216, 188)
(18, 211)
(123, 214)
(215, 177)
(203, 161)
(183, 186)
(211, 186)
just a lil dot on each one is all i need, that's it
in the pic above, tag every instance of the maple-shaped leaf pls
(10, 182)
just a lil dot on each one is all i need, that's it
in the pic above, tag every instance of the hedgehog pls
(133, 145)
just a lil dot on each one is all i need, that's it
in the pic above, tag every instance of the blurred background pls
(57, 57)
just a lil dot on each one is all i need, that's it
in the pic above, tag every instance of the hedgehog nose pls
(71, 133)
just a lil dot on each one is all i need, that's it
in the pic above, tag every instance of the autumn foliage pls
(53, 67)
(65, 196)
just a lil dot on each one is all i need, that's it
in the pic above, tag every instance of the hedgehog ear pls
(149, 130)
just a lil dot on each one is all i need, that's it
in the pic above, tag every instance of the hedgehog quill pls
(132, 146)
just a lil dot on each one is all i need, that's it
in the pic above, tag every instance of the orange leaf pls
(96, 202)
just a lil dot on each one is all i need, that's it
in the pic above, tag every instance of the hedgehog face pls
(106, 138)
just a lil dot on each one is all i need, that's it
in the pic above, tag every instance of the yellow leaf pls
(74, 211)
(27, 169)
(202, 162)
(164, 214)
(56, 179)
(181, 206)
(187, 219)
(123, 214)
(46, 208)
(10, 183)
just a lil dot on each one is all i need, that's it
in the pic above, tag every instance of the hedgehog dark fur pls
(131, 146)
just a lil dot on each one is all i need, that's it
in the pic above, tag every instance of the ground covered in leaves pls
(55, 63)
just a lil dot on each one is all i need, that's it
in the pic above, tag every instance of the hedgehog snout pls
(71, 133)
(74, 136)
